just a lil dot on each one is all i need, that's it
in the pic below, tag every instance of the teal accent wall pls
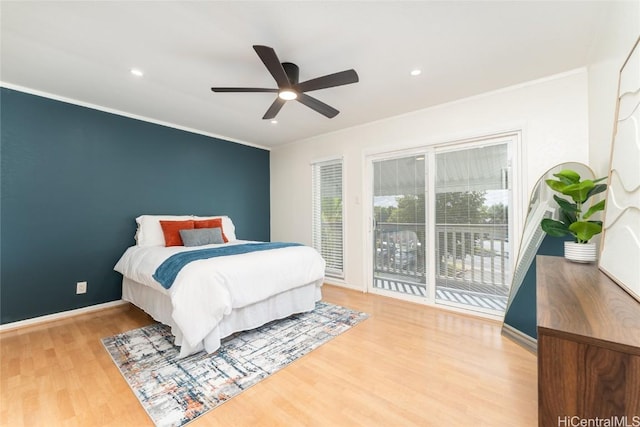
(522, 314)
(73, 180)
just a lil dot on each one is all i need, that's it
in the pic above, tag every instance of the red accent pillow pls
(171, 231)
(211, 223)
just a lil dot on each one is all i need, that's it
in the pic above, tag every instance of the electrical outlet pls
(81, 288)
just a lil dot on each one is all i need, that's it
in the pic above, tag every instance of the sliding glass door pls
(440, 229)
(399, 225)
(472, 204)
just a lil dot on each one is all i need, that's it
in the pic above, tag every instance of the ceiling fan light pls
(287, 95)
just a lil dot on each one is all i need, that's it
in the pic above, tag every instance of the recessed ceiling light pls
(274, 122)
(416, 72)
(137, 72)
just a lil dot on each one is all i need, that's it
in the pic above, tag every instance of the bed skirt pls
(158, 305)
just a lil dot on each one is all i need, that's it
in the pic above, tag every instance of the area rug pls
(175, 391)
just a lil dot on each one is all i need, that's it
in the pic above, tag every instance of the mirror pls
(520, 315)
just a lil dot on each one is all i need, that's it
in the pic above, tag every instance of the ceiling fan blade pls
(274, 109)
(271, 61)
(243, 89)
(317, 105)
(336, 79)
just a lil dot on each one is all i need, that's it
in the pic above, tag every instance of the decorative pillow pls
(228, 229)
(150, 233)
(201, 236)
(171, 231)
(211, 223)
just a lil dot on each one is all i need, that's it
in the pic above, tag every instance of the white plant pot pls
(580, 252)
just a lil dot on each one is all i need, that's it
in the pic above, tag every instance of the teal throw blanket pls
(167, 272)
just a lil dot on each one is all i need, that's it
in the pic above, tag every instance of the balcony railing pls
(473, 257)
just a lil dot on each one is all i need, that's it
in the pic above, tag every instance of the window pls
(328, 213)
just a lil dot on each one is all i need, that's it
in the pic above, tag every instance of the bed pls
(212, 285)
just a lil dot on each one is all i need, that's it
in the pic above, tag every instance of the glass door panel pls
(472, 199)
(399, 236)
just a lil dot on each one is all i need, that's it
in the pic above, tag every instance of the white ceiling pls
(84, 50)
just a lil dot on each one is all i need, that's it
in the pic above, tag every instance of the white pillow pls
(228, 228)
(149, 231)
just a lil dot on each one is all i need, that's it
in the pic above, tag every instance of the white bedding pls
(205, 291)
(158, 306)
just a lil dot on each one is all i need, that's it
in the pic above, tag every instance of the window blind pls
(328, 212)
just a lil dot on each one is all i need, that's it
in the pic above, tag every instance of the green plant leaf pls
(585, 230)
(555, 185)
(565, 205)
(593, 209)
(579, 191)
(568, 176)
(567, 217)
(554, 228)
(597, 189)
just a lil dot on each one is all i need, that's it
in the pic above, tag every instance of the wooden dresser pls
(588, 347)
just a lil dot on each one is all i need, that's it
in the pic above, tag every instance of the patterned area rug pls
(175, 391)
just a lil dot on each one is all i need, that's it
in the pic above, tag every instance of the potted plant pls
(574, 214)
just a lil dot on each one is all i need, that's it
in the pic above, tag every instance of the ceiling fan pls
(286, 77)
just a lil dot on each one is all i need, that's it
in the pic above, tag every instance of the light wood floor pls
(407, 365)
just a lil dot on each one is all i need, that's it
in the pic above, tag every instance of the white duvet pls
(204, 291)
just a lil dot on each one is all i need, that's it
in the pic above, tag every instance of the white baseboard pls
(521, 338)
(58, 316)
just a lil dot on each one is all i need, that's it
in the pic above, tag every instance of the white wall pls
(552, 114)
(616, 36)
